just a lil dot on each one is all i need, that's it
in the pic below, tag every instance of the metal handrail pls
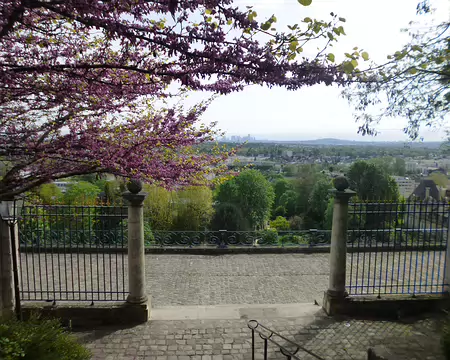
(253, 326)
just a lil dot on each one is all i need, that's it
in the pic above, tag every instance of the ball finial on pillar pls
(134, 186)
(341, 183)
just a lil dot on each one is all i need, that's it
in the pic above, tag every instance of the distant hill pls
(341, 142)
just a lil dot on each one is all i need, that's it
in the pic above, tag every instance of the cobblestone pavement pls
(330, 339)
(236, 279)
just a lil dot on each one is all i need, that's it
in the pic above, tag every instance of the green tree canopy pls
(82, 193)
(50, 194)
(318, 202)
(252, 194)
(193, 208)
(158, 207)
(371, 183)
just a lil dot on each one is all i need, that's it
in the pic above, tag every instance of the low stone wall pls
(84, 315)
(388, 307)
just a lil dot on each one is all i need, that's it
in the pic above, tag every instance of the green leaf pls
(354, 63)
(413, 71)
(307, 20)
(330, 57)
(293, 45)
(208, 11)
(342, 19)
(305, 2)
(348, 67)
(416, 48)
(266, 26)
(365, 55)
(229, 22)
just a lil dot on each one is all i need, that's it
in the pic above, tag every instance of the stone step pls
(259, 312)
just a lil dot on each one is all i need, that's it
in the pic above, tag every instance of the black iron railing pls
(289, 348)
(404, 248)
(224, 239)
(67, 253)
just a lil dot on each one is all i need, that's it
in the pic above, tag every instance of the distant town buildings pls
(406, 186)
(62, 185)
(238, 139)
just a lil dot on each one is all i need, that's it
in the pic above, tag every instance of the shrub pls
(280, 223)
(38, 340)
(149, 238)
(293, 239)
(268, 236)
(296, 222)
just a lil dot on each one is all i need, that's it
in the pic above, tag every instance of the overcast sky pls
(319, 111)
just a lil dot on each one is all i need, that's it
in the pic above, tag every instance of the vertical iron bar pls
(405, 254)
(253, 344)
(265, 349)
(53, 260)
(365, 245)
(90, 255)
(414, 230)
(380, 277)
(24, 232)
(418, 244)
(38, 245)
(64, 238)
(392, 219)
(123, 254)
(33, 270)
(350, 233)
(370, 253)
(425, 239)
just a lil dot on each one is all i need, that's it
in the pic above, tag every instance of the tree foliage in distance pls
(193, 208)
(158, 207)
(50, 194)
(413, 84)
(371, 182)
(318, 203)
(252, 194)
(81, 193)
(81, 78)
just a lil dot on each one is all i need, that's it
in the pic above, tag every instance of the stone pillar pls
(336, 294)
(7, 297)
(136, 250)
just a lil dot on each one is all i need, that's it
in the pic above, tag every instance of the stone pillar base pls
(139, 313)
(335, 303)
(142, 300)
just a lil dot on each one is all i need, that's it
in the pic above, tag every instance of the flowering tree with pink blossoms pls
(80, 80)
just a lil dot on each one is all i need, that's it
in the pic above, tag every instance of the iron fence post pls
(447, 258)
(338, 250)
(136, 249)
